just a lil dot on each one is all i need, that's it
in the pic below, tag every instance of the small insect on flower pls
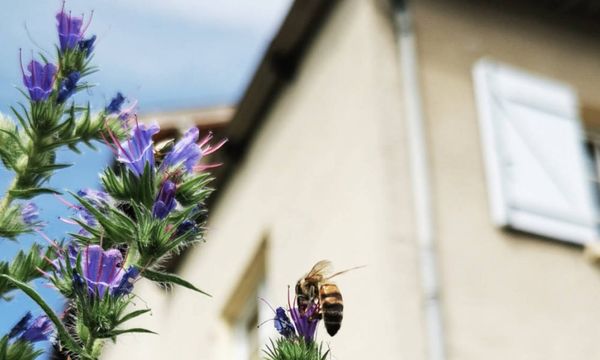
(40, 81)
(38, 329)
(316, 288)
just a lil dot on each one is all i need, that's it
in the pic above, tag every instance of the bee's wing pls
(322, 268)
(344, 271)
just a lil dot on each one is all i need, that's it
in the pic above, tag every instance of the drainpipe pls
(420, 178)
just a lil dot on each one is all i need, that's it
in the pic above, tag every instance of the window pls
(245, 312)
(247, 337)
(536, 165)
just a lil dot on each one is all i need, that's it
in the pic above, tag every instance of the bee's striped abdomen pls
(332, 307)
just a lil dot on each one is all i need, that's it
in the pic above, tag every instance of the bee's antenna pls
(264, 322)
(266, 302)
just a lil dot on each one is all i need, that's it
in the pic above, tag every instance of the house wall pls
(505, 295)
(326, 178)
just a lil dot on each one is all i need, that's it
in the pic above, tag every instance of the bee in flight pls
(316, 287)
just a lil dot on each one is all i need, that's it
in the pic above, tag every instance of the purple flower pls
(20, 326)
(306, 322)
(96, 197)
(138, 150)
(39, 329)
(29, 213)
(165, 200)
(103, 272)
(87, 45)
(126, 284)
(115, 104)
(67, 86)
(283, 325)
(40, 80)
(185, 152)
(185, 227)
(70, 30)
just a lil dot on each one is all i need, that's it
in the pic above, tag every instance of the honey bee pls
(316, 287)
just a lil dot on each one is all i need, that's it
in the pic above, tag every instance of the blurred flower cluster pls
(150, 207)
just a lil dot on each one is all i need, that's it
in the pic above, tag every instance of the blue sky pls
(166, 54)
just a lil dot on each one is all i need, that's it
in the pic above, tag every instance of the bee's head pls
(299, 287)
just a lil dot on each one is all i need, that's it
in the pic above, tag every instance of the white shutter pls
(534, 152)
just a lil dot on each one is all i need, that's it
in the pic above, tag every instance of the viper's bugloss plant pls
(151, 205)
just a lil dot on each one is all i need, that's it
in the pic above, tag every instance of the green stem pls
(89, 346)
(7, 199)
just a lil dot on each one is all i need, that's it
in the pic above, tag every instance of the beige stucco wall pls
(327, 177)
(505, 296)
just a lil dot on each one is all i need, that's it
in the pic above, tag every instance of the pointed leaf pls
(132, 315)
(125, 331)
(170, 278)
(31, 192)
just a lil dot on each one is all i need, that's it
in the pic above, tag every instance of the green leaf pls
(60, 328)
(125, 331)
(11, 224)
(25, 266)
(132, 315)
(31, 192)
(170, 278)
(49, 168)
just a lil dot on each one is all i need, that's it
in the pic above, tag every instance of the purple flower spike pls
(283, 325)
(67, 86)
(138, 150)
(103, 271)
(39, 329)
(40, 80)
(185, 152)
(306, 322)
(165, 200)
(29, 213)
(70, 30)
